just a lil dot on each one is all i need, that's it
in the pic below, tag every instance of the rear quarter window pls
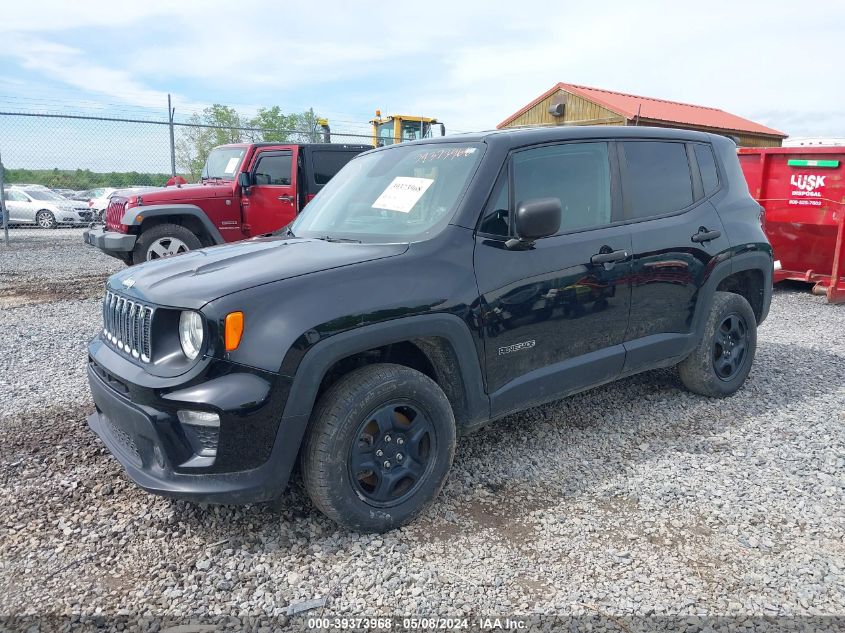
(656, 179)
(707, 167)
(327, 164)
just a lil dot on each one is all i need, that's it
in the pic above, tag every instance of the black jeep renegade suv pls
(430, 288)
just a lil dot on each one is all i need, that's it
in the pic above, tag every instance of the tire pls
(45, 219)
(359, 422)
(164, 238)
(723, 357)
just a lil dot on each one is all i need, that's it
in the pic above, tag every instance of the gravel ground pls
(635, 499)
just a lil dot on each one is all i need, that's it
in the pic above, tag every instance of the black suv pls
(430, 288)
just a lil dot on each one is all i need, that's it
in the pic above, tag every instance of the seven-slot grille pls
(126, 325)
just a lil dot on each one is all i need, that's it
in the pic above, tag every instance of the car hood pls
(195, 278)
(69, 205)
(187, 192)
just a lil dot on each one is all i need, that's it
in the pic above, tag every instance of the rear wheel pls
(379, 447)
(45, 219)
(164, 240)
(722, 359)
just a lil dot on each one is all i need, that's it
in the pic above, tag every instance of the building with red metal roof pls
(570, 104)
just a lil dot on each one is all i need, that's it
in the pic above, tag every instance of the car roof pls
(333, 146)
(534, 135)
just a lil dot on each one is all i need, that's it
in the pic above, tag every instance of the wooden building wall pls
(745, 140)
(578, 111)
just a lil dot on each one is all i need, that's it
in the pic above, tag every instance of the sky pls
(470, 64)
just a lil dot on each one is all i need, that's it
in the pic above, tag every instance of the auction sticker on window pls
(402, 194)
(232, 165)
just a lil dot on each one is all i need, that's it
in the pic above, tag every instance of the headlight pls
(190, 333)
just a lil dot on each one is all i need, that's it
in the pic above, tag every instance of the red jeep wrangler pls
(246, 190)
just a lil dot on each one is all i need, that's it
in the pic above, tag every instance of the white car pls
(47, 209)
(98, 199)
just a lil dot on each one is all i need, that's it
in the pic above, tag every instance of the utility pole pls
(170, 113)
(3, 201)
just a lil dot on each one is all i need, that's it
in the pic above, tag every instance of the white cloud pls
(470, 64)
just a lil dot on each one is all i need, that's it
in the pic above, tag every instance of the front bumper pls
(111, 242)
(140, 428)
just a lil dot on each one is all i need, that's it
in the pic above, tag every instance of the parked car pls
(88, 194)
(68, 194)
(41, 206)
(363, 339)
(98, 215)
(246, 190)
(99, 200)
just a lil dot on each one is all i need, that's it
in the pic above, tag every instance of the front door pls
(554, 315)
(19, 207)
(271, 203)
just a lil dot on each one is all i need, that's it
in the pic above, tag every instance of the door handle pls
(609, 257)
(704, 235)
(285, 198)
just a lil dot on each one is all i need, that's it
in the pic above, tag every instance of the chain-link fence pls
(76, 152)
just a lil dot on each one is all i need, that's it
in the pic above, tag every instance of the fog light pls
(199, 418)
(202, 430)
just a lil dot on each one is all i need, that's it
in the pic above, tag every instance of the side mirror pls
(244, 179)
(535, 218)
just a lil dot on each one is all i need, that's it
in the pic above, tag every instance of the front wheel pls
(45, 219)
(379, 447)
(164, 240)
(722, 359)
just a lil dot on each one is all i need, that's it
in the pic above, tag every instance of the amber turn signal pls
(234, 330)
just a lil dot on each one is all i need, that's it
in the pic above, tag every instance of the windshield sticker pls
(446, 154)
(402, 194)
(232, 165)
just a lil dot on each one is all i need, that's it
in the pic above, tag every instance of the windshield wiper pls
(285, 230)
(329, 238)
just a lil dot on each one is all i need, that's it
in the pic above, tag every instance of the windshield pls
(43, 194)
(223, 162)
(405, 193)
(408, 131)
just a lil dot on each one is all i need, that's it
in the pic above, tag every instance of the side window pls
(327, 164)
(707, 166)
(273, 169)
(496, 219)
(656, 178)
(14, 196)
(578, 174)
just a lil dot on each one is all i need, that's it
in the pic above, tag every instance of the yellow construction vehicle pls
(396, 128)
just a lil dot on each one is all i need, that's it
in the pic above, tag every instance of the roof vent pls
(556, 109)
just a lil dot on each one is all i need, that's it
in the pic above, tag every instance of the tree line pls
(215, 125)
(81, 179)
(195, 141)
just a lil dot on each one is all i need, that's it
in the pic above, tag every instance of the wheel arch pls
(190, 216)
(748, 274)
(438, 345)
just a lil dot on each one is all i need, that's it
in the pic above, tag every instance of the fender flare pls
(327, 352)
(303, 390)
(130, 217)
(758, 260)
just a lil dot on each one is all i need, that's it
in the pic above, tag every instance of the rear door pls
(271, 203)
(554, 315)
(676, 236)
